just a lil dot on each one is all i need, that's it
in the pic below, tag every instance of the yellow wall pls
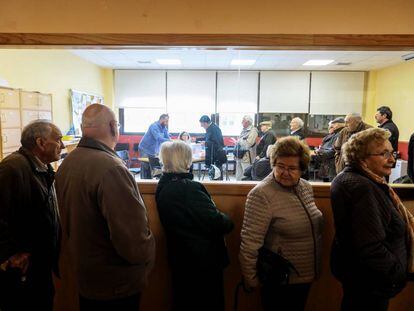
(213, 16)
(393, 87)
(55, 71)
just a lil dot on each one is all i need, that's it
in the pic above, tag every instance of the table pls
(198, 160)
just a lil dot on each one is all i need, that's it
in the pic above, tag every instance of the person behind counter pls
(149, 147)
(281, 217)
(296, 128)
(325, 154)
(372, 241)
(194, 230)
(185, 137)
(245, 150)
(214, 144)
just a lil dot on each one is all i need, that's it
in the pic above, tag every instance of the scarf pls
(402, 211)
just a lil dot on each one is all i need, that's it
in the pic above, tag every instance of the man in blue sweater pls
(150, 144)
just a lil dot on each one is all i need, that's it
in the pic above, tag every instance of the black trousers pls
(291, 297)
(36, 292)
(197, 290)
(355, 299)
(125, 304)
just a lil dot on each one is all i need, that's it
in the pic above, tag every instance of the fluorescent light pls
(318, 62)
(242, 62)
(166, 61)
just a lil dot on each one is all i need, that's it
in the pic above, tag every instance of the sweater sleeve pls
(126, 217)
(256, 221)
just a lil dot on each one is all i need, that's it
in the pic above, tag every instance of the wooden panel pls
(9, 118)
(230, 198)
(45, 102)
(10, 138)
(29, 116)
(9, 98)
(29, 100)
(274, 41)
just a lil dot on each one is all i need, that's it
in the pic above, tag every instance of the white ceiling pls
(196, 58)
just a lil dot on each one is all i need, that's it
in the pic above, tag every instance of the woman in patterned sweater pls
(281, 216)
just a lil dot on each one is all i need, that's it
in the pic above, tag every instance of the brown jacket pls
(343, 137)
(286, 221)
(105, 222)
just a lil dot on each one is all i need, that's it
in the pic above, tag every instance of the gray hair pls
(34, 130)
(248, 119)
(176, 157)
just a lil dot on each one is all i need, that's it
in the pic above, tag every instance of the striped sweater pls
(286, 221)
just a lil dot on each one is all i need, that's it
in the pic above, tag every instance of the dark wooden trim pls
(243, 41)
(321, 190)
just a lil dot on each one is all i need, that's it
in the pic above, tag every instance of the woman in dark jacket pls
(371, 250)
(194, 230)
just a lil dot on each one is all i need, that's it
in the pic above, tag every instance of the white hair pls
(248, 119)
(354, 115)
(176, 157)
(299, 121)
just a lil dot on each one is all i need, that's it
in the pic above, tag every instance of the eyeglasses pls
(386, 154)
(118, 125)
(289, 169)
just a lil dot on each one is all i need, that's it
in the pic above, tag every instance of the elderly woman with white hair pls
(245, 146)
(194, 230)
(296, 128)
(372, 249)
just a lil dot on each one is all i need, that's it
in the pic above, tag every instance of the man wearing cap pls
(214, 143)
(325, 154)
(268, 138)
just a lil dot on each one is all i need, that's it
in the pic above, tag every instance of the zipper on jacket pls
(313, 233)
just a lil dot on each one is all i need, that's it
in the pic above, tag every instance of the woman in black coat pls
(195, 231)
(371, 253)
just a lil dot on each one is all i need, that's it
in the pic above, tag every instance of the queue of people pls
(95, 205)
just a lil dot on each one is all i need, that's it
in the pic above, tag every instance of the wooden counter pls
(325, 294)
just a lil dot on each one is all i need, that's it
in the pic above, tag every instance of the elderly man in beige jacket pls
(245, 146)
(104, 218)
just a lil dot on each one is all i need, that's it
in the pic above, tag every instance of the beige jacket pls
(105, 223)
(247, 140)
(286, 221)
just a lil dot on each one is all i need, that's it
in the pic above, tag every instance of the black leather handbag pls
(273, 268)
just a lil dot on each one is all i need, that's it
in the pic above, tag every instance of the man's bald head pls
(99, 122)
(352, 120)
(97, 115)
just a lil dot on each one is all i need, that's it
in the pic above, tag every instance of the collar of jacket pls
(87, 142)
(356, 170)
(246, 131)
(386, 122)
(277, 184)
(176, 176)
(34, 163)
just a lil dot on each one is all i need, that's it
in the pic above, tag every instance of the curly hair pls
(358, 146)
(291, 147)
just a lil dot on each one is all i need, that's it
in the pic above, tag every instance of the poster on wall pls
(79, 101)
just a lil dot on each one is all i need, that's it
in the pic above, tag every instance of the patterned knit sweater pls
(286, 221)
